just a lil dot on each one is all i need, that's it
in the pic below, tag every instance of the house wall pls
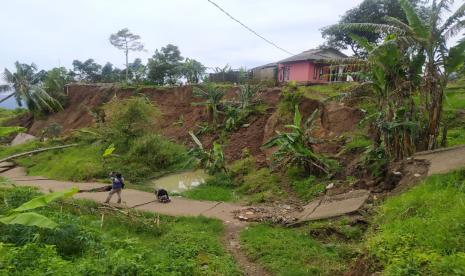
(302, 72)
(264, 74)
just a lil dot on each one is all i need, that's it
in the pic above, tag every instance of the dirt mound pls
(337, 118)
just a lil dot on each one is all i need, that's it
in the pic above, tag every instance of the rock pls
(330, 186)
(22, 138)
(417, 175)
(249, 213)
(397, 173)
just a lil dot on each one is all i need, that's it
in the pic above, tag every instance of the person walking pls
(117, 184)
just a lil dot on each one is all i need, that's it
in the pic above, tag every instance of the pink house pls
(312, 67)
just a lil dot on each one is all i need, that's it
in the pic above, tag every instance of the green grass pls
(323, 92)
(211, 193)
(357, 142)
(125, 245)
(7, 131)
(422, 232)
(6, 151)
(289, 251)
(76, 164)
(456, 136)
(8, 114)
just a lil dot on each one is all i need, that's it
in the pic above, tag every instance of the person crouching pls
(162, 195)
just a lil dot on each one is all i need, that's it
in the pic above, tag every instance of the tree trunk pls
(127, 66)
(7, 97)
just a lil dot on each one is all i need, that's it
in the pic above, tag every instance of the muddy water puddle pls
(180, 182)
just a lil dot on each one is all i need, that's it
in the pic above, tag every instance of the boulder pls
(22, 138)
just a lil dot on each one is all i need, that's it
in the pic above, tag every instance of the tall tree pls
(374, 11)
(27, 87)
(126, 41)
(88, 70)
(193, 70)
(165, 65)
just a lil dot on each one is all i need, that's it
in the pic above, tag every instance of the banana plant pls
(295, 147)
(25, 216)
(212, 160)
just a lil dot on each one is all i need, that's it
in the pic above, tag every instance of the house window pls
(321, 73)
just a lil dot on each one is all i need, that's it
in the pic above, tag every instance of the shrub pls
(239, 168)
(156, 152)
(52, 130)
(129, 119)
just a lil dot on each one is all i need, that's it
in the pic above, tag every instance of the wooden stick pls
(101, 221)
(35, 151)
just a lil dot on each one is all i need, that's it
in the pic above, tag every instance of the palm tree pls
(425, 37)
(27, 87)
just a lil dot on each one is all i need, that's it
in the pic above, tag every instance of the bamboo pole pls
(35, 151)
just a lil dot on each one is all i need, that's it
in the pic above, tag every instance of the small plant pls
(211, 160)
(291, 96)
(52, 131)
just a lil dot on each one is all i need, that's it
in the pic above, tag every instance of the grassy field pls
(123, 245)
(422, 232)
(294, 251)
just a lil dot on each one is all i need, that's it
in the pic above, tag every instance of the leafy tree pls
(193, 70)
(55, 82)
(126, 41)
(110, 74)
(88, 70)
(294, 148)
(137, 70)
(165, 65)
(27, 87)
(374, 11)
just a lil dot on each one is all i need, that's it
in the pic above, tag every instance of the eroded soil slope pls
(180, 116)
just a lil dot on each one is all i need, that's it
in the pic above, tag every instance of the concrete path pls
(131, 198)
(443, 160)
(333, 206)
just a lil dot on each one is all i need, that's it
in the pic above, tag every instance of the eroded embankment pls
(181, 116)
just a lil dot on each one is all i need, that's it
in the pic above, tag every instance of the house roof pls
(317, 55)
(273, 64)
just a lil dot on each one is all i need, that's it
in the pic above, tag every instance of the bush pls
(156, 152)
(129, 119)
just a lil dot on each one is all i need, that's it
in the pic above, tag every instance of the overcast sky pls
(51, 33)
(55, 32)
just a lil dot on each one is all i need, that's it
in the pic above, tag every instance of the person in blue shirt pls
(117, 184)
